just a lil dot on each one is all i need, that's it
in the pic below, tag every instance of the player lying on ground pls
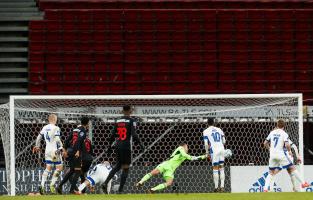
(51, 135)
(214, 141)
(97, 175)
(278, 144)
(167, 168)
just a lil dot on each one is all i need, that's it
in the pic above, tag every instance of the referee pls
(124, 130)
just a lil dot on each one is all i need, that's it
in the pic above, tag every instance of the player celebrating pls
(214, 141)
(167, 168)
(277, 142)
(97, 175)
(124, 130)
(51, 134)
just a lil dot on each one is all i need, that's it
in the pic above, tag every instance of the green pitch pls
(210, 196)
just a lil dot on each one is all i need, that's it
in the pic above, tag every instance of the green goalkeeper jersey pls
(178, 157)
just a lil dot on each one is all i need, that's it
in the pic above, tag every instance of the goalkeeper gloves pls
(198, 157)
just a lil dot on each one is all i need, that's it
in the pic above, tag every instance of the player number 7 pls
(276, 141)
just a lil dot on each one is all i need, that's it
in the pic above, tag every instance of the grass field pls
(209, 196)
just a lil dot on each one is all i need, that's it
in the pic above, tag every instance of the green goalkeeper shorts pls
(166, 170)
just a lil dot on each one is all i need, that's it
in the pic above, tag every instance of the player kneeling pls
(167, 168)
(97, 175)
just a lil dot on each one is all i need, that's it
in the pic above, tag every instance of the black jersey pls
(124, 130)
(76, 139)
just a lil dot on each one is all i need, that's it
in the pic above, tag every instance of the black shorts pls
(123, 156)
(86, 165)
(74, 162)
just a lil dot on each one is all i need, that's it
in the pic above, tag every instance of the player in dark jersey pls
(87, 153)
(124, 130)
(74, 151)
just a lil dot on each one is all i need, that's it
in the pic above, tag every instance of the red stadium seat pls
(219, 51)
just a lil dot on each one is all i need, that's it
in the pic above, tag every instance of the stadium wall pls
(252, 179)
(238, 179)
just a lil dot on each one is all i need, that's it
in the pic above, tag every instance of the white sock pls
(215, 177)
(297, 176)
(268, 182)
(44, 177)
(55, 177)
(294, 183)
(82, 186)
(222, 177)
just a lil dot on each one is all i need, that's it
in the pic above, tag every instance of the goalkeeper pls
(168, 167)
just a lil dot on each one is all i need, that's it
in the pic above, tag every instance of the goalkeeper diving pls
(168, 167)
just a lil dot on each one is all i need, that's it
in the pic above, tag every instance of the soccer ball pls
(228, 153)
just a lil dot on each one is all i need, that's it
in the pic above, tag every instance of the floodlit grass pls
(209, 196)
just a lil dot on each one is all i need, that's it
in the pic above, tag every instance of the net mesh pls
(163, 123)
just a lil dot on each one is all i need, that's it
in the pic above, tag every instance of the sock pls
(55, 177)
(82, 180)
(74, 180)
(268, 182)
(145, 178)
(44, 177)
(215, 177)
(159, 187)
(296, 175)
(82, 187)
(222, 177)
(112, 173)
(294, 182)
(123, 179)
(66, 177)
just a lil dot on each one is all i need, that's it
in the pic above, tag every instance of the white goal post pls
(183, 116)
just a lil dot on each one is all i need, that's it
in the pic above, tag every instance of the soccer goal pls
(164, 121)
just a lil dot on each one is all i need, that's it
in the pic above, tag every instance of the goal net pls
(164, 121)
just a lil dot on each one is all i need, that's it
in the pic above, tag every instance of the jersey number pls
(122, 133)
(276, 141)
(216, 136)
(47, 136)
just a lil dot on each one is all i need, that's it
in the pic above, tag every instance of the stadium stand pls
(141, 51)
(174, 4)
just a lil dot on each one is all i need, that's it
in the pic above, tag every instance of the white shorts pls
(217, 156)
(280, 161)
(52, 159)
